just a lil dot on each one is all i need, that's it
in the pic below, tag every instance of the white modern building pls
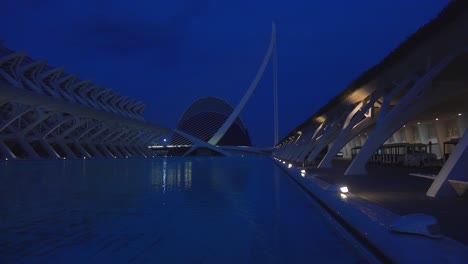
(48, 113)
(417, 95)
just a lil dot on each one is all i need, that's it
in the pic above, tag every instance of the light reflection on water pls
(170, 176)
(177, 210)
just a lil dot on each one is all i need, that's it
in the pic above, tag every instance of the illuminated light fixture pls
(84, 157)
(419, 123)
(165, 140)
(303, 171)
(437, 119)
(303, 175)
(284, 162)
(344, 189)
(404, 125)
(289, 165)
(343, 196)
(6, 158)
(459, 114)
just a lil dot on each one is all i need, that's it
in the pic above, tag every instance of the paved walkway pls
(394, 189)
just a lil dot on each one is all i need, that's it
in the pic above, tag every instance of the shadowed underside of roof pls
(448, 15)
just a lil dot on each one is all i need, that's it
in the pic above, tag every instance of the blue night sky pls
(170, 53)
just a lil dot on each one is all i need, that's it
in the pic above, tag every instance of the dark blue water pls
(180, 210)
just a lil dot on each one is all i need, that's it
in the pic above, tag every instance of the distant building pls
(204, 117)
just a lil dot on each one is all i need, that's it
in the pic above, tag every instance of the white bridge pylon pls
(218, 135)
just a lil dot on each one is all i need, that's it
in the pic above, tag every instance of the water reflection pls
(170, 175)
(159, 211)
(164, 175)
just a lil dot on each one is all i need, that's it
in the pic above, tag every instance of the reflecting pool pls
(174, 210)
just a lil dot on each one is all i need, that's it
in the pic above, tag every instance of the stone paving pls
(394, 189)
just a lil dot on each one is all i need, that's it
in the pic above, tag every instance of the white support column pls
(302, 144)
(454, 169)
(114, 137)
(106, 151)
(94, 150)
(411, 104)
(441, 136)
(409, 134)
(292, 148)
(327, 137)
(462, 123)
(137, 151)
(129, 151)
(117, 153)
(310, 144)
(143, 150)
(78, 124)
(56, 126)
(130, 136)
(284, 149)
(81, 149)
(15, 117)
(29, 150)
(354, 118)
(50, 150)
(123, 150)
(423, 133)
(397, 136)
(65, 148)
(98, 133)
(90, 127)
(42, 117)
(6, 151)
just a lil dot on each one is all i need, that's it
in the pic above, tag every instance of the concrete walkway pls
(394, 189)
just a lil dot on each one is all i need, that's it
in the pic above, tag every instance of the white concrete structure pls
(233, 117)
(47, 113)
(417, 94)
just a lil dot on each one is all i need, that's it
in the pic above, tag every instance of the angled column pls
(310, 143)
(412, 103)
(454, 169)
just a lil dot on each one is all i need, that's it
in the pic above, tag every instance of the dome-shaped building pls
(204, 117)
